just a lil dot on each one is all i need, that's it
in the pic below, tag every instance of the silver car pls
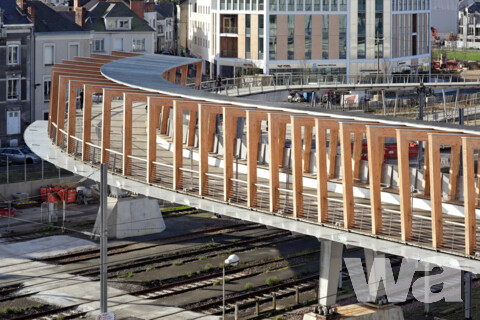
(17, 155)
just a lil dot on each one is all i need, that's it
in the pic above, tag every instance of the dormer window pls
(118, 24)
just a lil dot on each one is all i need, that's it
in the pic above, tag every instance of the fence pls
(12, 172)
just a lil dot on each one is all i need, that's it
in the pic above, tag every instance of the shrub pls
(249, 286)
(208, 267)
(189, 274)
(272, 281)
(178, 263)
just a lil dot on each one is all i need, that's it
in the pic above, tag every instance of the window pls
(13, 89)
(73, 51)
(138, 45)
(118, 24)
(13, 54)
(98, 45)
(46, 89)
(123, 24)
(48, 54)
(272, 40)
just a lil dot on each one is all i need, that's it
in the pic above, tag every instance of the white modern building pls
(310, 36)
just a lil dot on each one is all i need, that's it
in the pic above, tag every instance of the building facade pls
(116, 26)
(16, 52)
(56, 38)
(166, 35)
(310, 36)
(468, 26)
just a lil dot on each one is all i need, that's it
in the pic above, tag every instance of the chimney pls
(150, 6)
(80, 16)
(22, 5)
(31, 13)
(137, 6)
(76, 4)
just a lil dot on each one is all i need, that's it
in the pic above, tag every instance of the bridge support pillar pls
(331, 254)
(129, 217)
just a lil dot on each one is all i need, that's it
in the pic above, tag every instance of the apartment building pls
(310, 36)
(16, 38)
(57, 38)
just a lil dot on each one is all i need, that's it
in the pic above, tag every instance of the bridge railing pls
(338, 139)
(258, 82)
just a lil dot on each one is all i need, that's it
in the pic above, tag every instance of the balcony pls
(228, 30)
(228, 23)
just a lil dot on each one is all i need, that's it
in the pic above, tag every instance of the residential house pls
(166, 35)
(468, 25)
(16, 50)
(56, 38)
(116, 27)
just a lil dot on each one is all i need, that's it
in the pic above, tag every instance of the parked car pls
(17, 155)
(3, 160)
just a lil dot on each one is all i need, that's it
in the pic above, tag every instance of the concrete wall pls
(32, 187)
(277, 96)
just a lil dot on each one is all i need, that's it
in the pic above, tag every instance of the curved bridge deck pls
(162, 141)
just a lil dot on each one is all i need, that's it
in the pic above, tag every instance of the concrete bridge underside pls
(166, 151)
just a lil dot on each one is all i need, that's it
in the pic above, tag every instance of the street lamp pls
(423, 92)
(232, 260)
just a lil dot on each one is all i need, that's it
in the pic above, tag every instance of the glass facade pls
(325, 36)
(361, 30)
(291, 37)
(272, 39)
(308, 37)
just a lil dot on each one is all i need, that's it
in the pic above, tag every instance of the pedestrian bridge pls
(227, 155)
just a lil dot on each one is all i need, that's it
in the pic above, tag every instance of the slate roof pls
(49, 20)
(95, 19)
(11, 14)
(165, 9)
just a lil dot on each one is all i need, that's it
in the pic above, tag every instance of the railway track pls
(125, 248)
(53, 314)
(192, 254)
(250, 270)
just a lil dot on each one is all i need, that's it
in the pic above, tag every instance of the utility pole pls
(103, 238)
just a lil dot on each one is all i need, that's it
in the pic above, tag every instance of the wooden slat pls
(203, 117)
(253, 137)
(347, 181)
(152, 123)
(192, 123)
(178, 145)
(229, 134)
(307, 147)
(87, 121)
(106, 124)
(332, 153)
(322, 175)
(375, 175)
(468, 147)
(127, 133)
(274, 161)
(435, 190)
(357, 155)
(297, 172)
(404, 185)
(454, 171)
